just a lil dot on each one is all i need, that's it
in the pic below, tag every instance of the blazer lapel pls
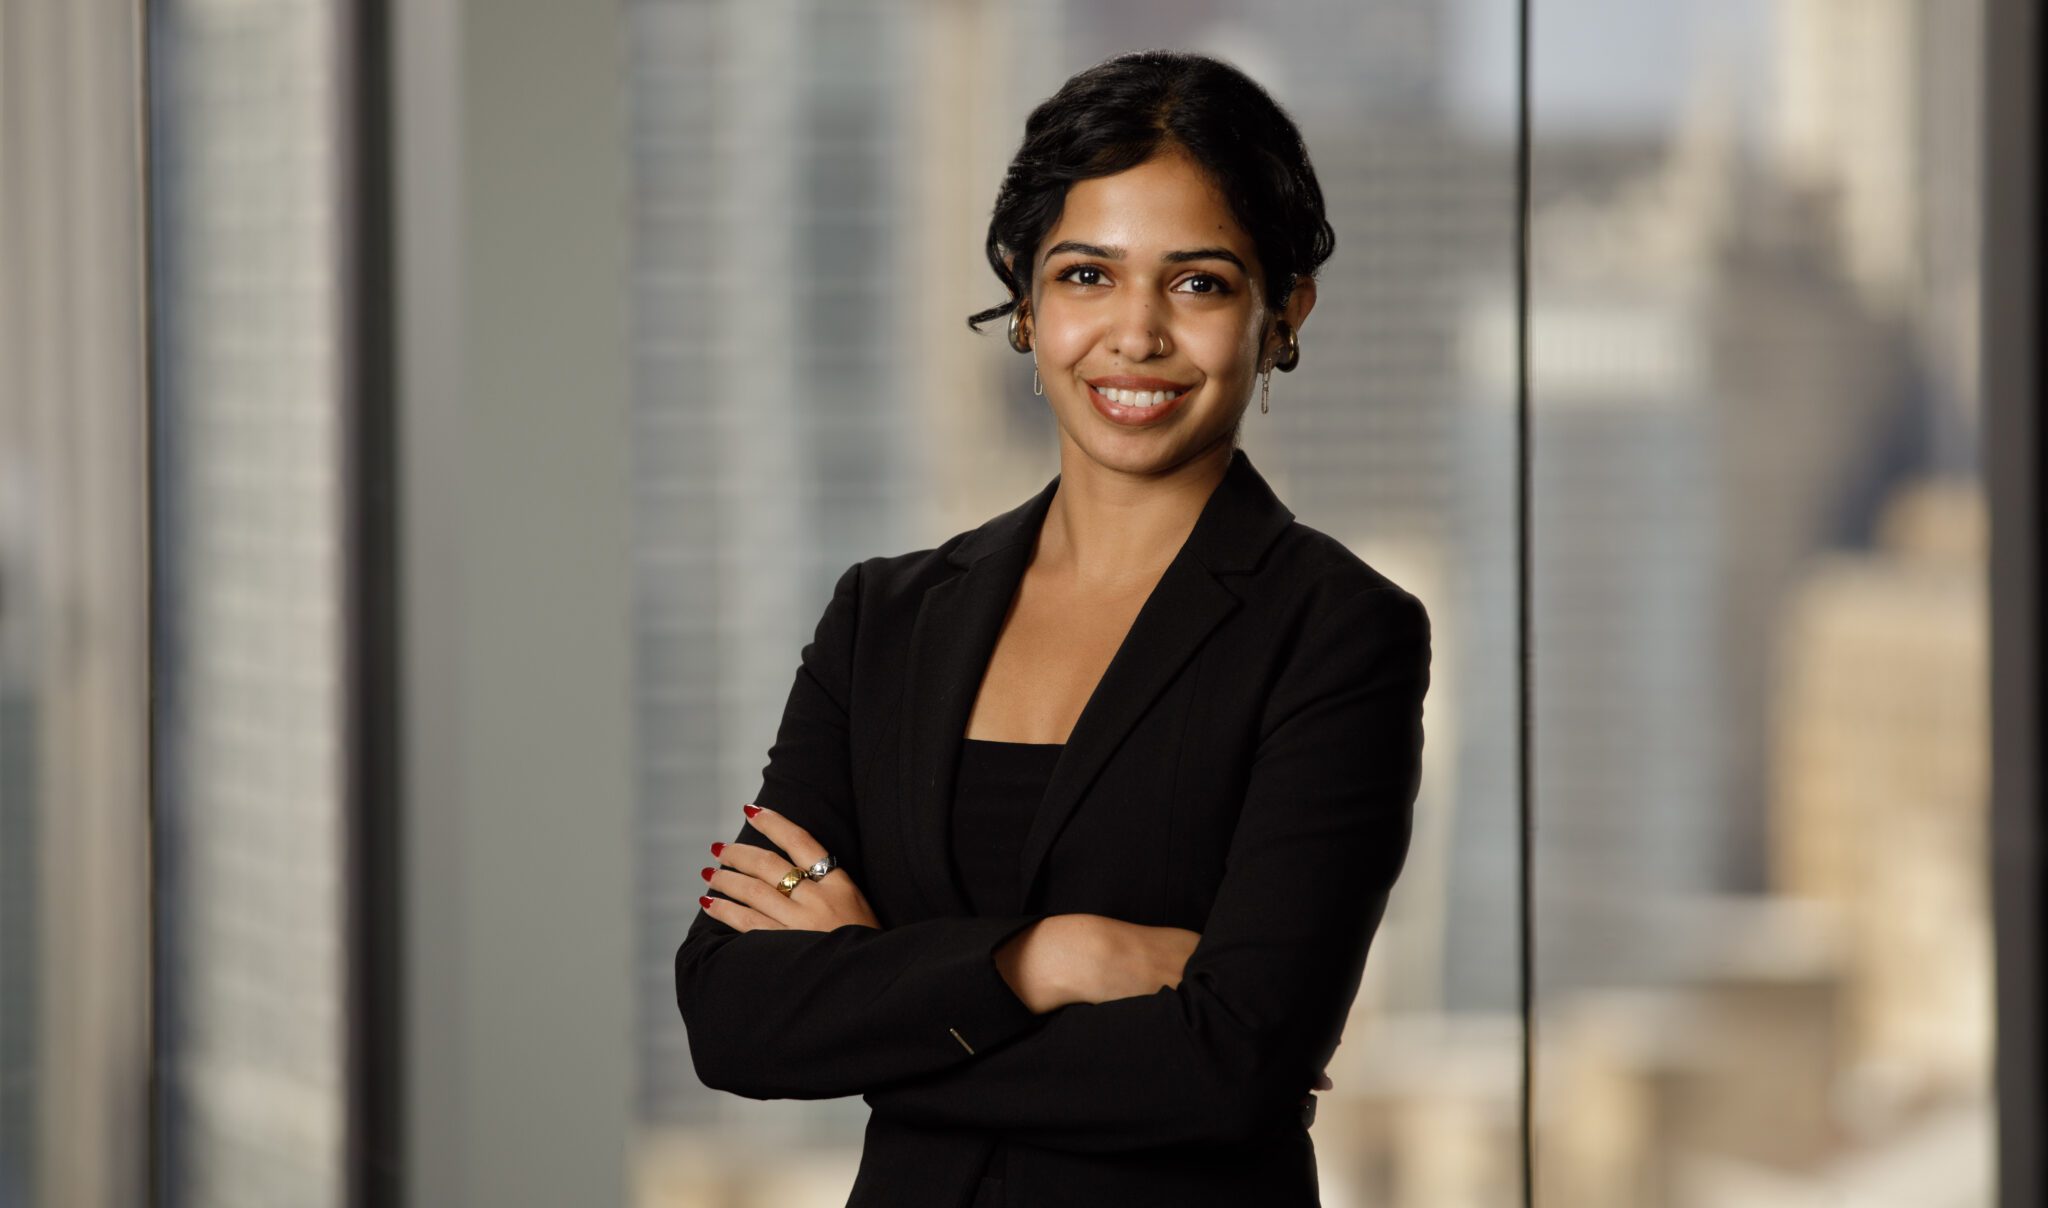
(951, 641)
(1180, 612)
(955, 634)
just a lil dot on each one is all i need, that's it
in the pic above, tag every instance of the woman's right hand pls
(1065, 959)
(1131, 959)
(1092, 958)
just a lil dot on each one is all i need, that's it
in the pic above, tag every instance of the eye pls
(1218, 284)
(1071, 270)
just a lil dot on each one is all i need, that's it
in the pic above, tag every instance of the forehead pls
(1164, 203)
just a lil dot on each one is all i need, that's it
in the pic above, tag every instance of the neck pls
(1110, 530)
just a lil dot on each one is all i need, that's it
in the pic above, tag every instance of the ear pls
(1294, 312)
(1299, 303)
(1028, 320)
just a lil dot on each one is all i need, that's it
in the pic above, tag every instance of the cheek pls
(1225, 357)
(1221, 342)
(1063, 343)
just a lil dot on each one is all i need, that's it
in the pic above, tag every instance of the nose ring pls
(1162, 345)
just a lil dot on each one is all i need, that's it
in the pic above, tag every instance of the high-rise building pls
(250, 711)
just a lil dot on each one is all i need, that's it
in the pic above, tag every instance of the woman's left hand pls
(755, 874)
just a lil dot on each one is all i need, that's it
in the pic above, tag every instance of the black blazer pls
(1246, 768)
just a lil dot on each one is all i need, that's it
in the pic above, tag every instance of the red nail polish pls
(717, 849)
(705, 902)
(752, 810)
(707, 873)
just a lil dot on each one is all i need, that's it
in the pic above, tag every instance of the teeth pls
(1139, 398)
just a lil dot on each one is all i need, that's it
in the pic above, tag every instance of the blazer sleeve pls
(1263, 999)
(785, 1014)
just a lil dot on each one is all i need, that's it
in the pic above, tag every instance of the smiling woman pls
(1078, 827)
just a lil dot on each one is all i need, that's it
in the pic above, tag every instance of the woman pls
(1078, 827)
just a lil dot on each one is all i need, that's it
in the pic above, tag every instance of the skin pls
(1105, 297)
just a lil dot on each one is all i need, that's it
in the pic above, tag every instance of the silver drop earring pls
(1036, 386)
(1265, 387)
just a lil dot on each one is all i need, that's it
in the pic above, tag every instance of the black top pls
(1000, 786)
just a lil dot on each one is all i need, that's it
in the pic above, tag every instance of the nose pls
(1138, 335)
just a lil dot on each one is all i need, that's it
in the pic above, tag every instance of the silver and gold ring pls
(797, 876)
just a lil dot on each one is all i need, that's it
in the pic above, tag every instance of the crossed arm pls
(920, 1019)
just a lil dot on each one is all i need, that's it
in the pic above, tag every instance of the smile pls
(1129, 407)
(1141, 398)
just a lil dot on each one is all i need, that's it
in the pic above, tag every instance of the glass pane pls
(250, 705)
(74, 615)
(1762, 926)
(813, 186)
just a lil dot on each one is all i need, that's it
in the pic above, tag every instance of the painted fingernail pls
(752, 810)
(708, 872)
(705, 902)
(718, 849)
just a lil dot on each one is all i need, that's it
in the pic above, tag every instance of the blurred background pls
(430, 431)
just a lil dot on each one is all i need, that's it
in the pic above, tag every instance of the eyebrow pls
(1117, 253)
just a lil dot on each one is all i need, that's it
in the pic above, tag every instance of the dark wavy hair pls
(1118, 114)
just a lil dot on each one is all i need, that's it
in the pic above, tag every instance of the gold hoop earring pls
(1019, 339)
(1290, 355)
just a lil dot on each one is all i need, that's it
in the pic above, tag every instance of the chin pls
(1148, 453)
